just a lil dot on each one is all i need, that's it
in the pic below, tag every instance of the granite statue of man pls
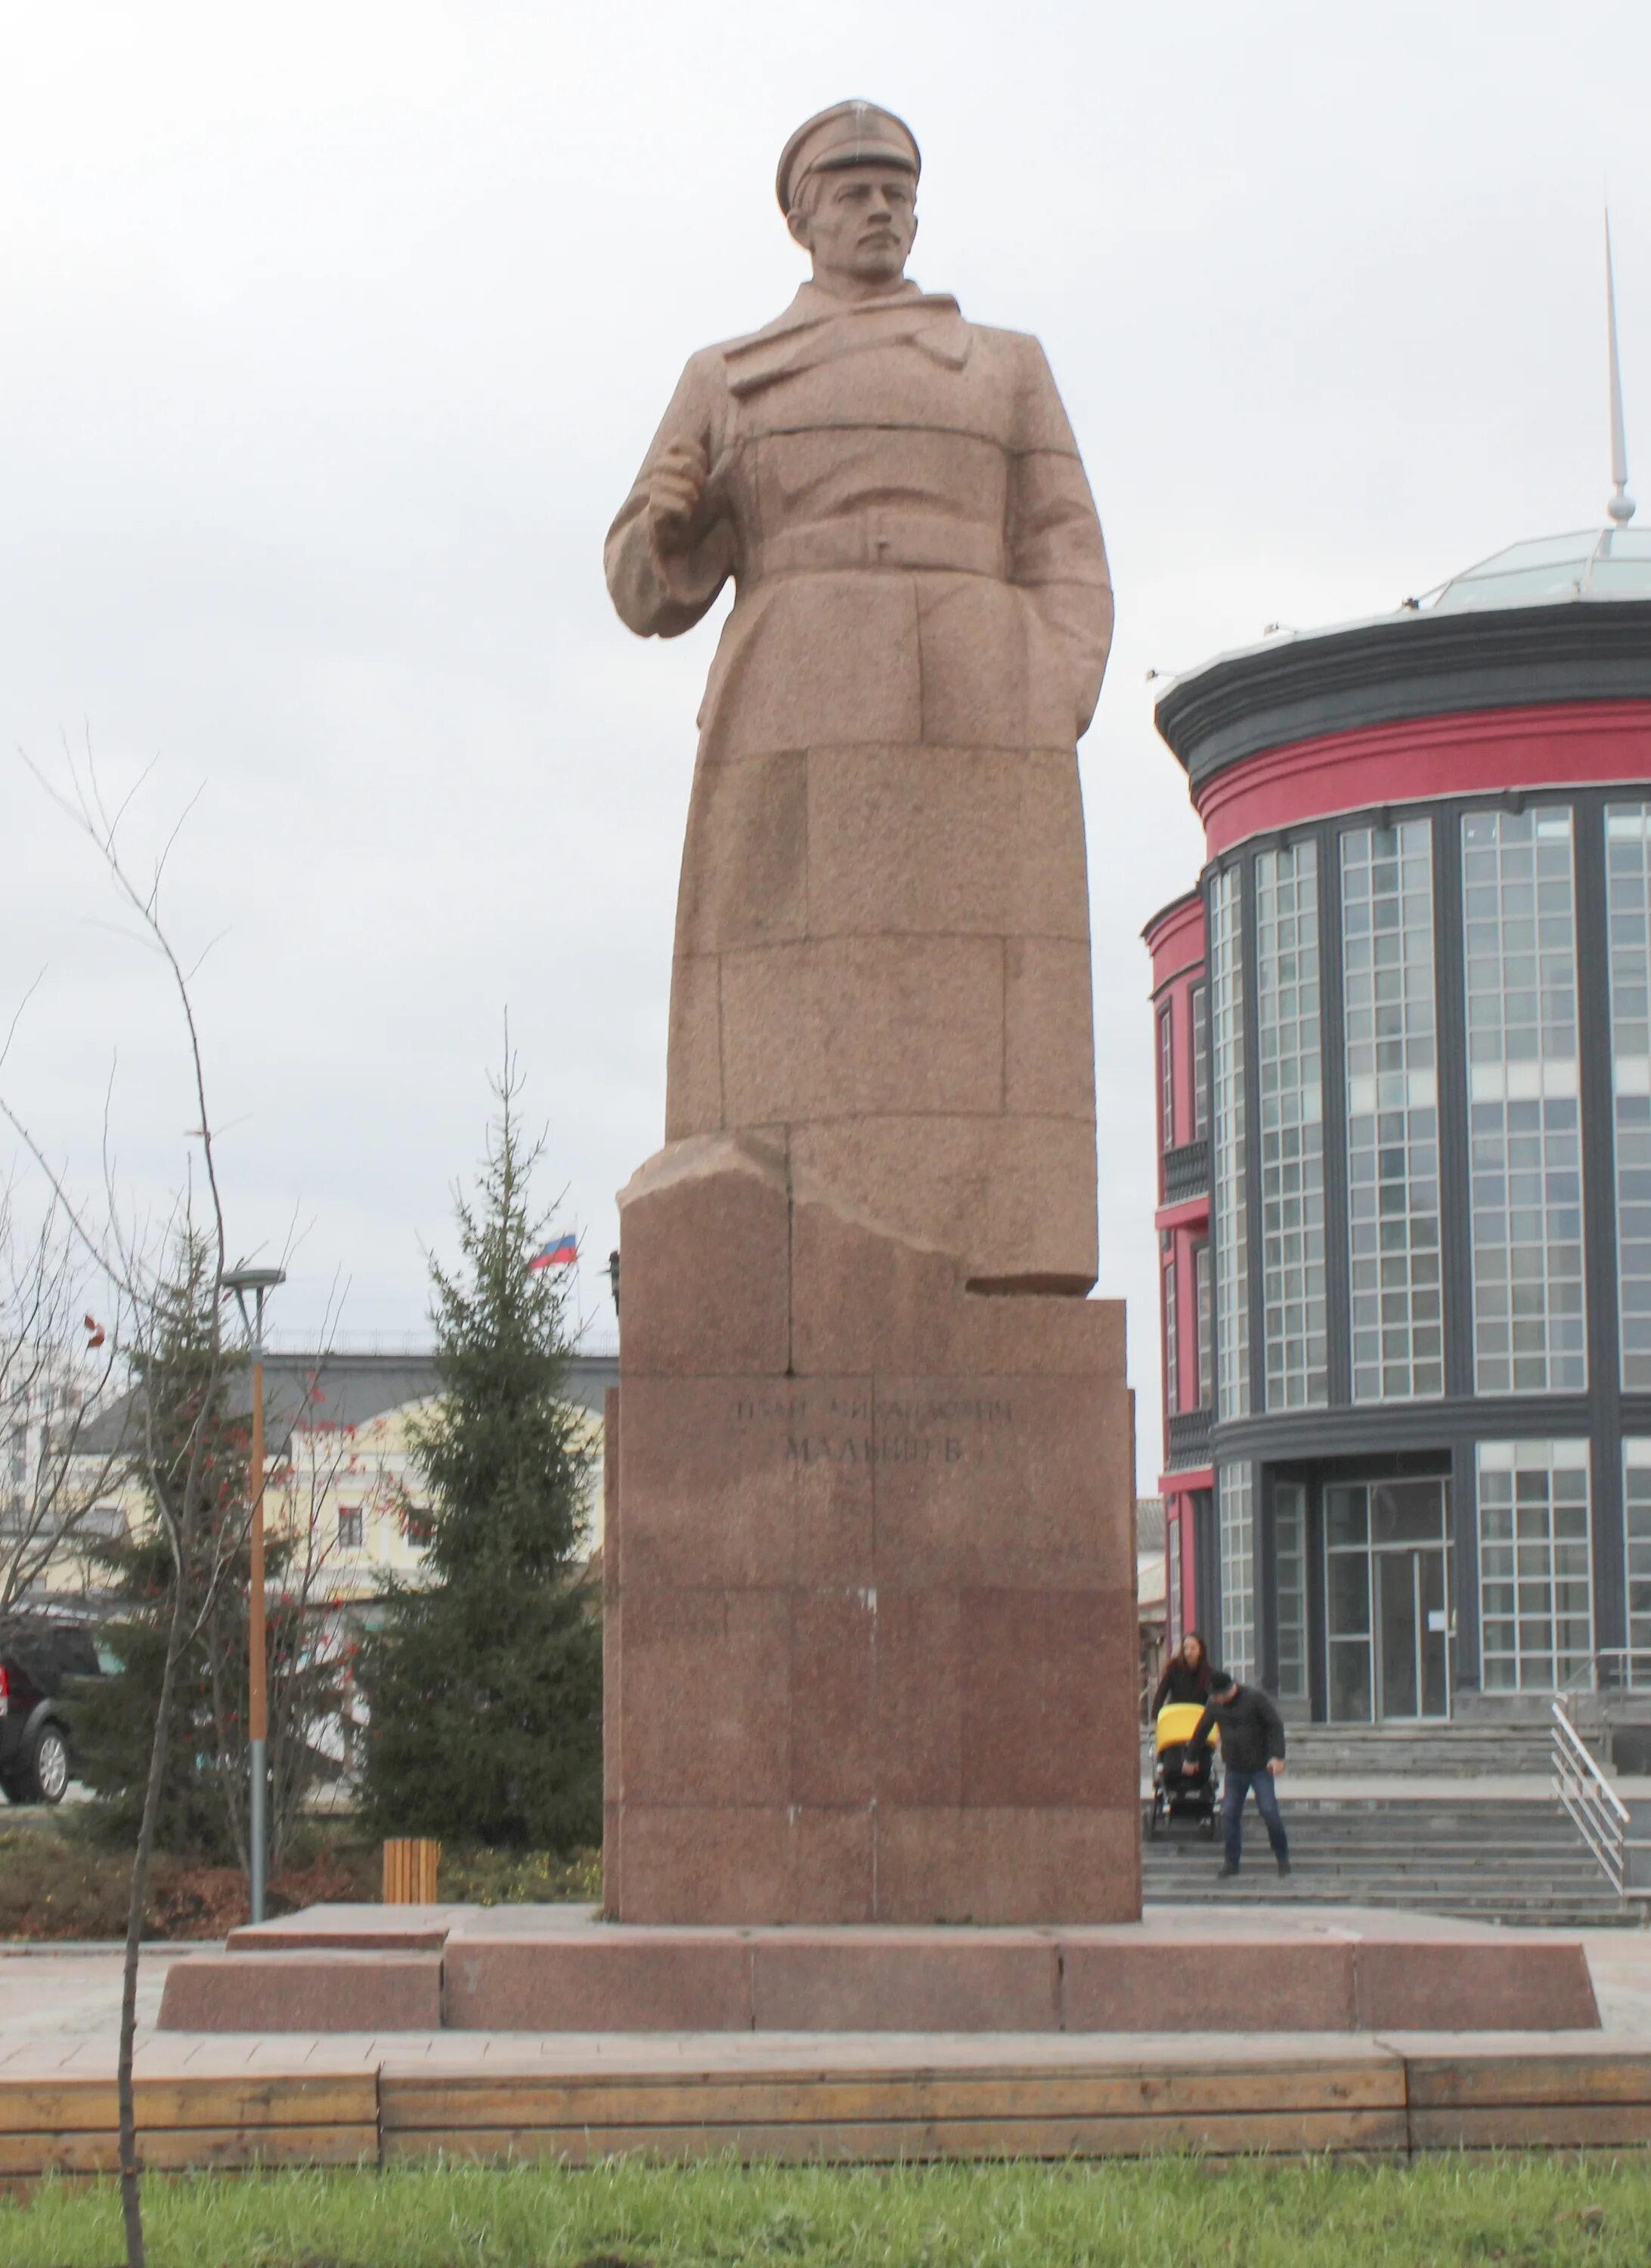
(882, 941)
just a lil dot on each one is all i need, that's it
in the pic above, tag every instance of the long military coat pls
(882, 937)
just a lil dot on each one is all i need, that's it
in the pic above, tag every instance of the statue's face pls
(861, 224)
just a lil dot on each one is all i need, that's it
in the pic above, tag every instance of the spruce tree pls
(484, 1678)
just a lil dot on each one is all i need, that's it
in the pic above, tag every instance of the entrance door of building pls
(1387, 1595)
(1413, 1632)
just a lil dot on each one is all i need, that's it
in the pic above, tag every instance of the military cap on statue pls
(848, 134)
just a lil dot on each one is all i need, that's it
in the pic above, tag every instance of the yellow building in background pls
(342, 1482)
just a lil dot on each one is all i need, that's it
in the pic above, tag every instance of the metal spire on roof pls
(1621, 506)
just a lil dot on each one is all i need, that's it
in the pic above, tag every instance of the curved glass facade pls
(1430, 1181)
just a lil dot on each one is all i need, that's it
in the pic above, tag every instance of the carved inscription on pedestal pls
(838, 1429)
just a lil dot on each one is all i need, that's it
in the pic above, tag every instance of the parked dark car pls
(39, 1655)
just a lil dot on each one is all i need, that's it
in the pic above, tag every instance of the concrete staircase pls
(1434, 1751)
(1446, 1819)
(1486, 1858)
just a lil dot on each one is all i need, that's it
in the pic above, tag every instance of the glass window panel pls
(1628, 913)
(1290, 1133)
(1346, 1517)
(1236, 1528)
(1407, 1512)
(1203, 1288)
(1229, 1178)
(1199, 1000)
(1527, 1158)
(1350, 1697)
(1347, 1587)
(1537, 1633)
(1289, 1539)
(1637, 1521)
(1392, 1136)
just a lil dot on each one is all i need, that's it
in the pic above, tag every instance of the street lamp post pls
(256, 1284)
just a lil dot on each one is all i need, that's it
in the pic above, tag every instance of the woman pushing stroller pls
(1186, 1676)
(1183, 1786)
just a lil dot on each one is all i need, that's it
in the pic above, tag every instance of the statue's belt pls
(879, 539)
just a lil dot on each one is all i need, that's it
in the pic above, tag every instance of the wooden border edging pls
(1370, 2102)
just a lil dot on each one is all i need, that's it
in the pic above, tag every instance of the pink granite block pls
(919, 1697)
(834, 1870)
(1042, 1719)
(706, 1863)
(833, 1696)
(1009, 1864)
(704, 1678)
(862, 1297)
(1503, 1982)
(704, 1236)
(346, 1928)
(1003, 1481)
(605, 1980)
(315, 1992)
(900, 1981)
(1238, 1985)
(747, 1481)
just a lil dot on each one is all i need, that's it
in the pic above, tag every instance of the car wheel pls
(48, 1766)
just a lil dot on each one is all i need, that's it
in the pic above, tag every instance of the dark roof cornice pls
(1403, 666)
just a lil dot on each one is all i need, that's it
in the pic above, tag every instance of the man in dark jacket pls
(1252, 1751)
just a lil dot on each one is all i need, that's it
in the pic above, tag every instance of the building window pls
(1172, 1342)
(349, 1527)
(1387, 1598)
(1536, 1573)
(1166, 1079)
(1289, 1558)
(1198, 1014)
(1229, 1178)
(1392, 1112)
(1636, 1457)
(1524, 1114)
(1204, 1292)
(419, 1527)
(1292, 1130)
(1235, 1503)
(1172, 1625)
(1628, 914)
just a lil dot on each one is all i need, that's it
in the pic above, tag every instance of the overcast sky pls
(333, 334)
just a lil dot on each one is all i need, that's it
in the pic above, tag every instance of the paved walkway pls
(60, 2014)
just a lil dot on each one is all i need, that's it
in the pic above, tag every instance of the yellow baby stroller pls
(1184, 1788)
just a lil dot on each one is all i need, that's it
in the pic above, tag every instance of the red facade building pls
(1402, 1053)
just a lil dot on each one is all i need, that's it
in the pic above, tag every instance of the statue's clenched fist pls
(674, 488)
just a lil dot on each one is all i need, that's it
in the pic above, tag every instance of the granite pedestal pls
(869, 1572)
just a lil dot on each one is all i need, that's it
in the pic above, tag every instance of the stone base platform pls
(549, 1969)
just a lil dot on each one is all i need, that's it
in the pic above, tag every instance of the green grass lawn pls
(1169, 2213)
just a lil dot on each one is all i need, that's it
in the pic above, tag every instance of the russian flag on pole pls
(561, 1252)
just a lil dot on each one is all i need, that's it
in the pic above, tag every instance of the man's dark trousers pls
(1238, 1787)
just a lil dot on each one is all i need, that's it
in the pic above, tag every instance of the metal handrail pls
(1593, 1804)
